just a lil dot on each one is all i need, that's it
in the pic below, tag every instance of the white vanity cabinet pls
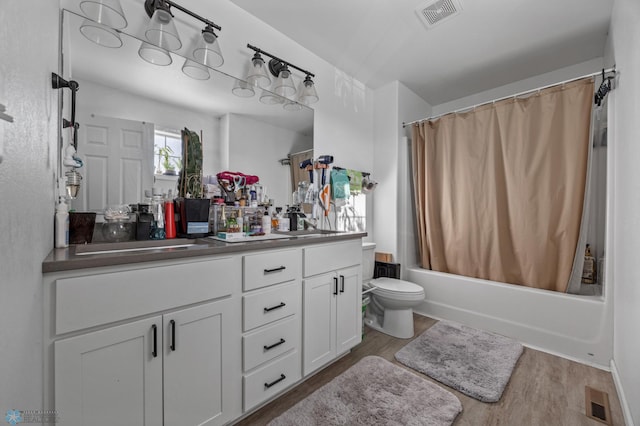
(154, 345)
(197, 340)
(332, 299)
(272, 300)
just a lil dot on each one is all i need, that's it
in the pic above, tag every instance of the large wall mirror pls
(127, 108)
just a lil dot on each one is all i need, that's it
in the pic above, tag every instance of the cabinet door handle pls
(280, 268)
(341, 283)
(268, 385)
(335, 286)
(173, 335)
(155, 340)
(266, 348)
(281, 305)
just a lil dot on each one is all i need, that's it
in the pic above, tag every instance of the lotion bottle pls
(62, 225)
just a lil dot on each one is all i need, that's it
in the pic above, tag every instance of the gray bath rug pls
(374, 392)
(475, 362)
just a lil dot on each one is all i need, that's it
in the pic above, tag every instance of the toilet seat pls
(397, 289)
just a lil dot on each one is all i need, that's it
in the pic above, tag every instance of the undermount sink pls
(133, 246)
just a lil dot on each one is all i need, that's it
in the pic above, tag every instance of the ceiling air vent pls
(434, 12)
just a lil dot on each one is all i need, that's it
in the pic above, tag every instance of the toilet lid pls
(398, 286)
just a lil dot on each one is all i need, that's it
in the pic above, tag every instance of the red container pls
(170, 220)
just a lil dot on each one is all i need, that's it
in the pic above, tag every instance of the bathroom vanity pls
(197, 332)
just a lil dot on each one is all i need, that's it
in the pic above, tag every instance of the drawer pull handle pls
(281, 305)
(268, 385)
(266, 348)
(335, 286)
(341, 283)
(173, 335)
(155, 340)
(281, 268)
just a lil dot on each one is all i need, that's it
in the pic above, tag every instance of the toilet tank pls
(368, 260)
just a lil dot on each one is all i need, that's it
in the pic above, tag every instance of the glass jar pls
(116, 230)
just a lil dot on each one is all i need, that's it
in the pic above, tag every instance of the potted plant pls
(168, 163)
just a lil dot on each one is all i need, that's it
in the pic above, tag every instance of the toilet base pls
(395, 322)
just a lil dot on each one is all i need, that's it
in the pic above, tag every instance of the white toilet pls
(392, 300)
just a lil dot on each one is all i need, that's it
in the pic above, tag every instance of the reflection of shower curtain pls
(300, 175)
(593, 218)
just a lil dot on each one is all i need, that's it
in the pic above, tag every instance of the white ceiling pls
(489, 44)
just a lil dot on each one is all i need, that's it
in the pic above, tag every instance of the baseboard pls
(626, 411)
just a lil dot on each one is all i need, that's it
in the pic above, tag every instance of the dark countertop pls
(72, 258)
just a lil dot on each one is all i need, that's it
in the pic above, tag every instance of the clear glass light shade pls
(270, 98)
(105, 12)
(154, 54)
(99, 34)
(292, 106)
(283, 85)
(208, 50)
(195, 70)
(307, 92)
(258, 75)
(243, 89)
(162, 31)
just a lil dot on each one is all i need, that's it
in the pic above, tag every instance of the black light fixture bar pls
(258, 50)
(149, 6)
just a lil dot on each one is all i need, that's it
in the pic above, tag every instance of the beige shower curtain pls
(499, 190)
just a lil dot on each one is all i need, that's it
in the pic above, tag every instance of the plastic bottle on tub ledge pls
(62, 225)
(589, 268)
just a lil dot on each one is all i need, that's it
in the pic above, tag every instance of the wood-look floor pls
(544, 389)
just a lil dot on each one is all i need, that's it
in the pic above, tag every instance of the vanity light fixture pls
(283, 90)
(162, 33)
(105, 18)
(105, 12)
(161, 30)
(258, 75)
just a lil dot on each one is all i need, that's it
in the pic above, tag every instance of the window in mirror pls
(168, 149)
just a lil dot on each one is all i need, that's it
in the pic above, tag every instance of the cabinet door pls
(349, 309)
(111, 377)
(201, 358)
(319, 321)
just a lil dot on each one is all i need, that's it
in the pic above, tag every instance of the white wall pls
(29, 52)
(562, 74)
(625, 146)
(255, 148)
(394, 104)
(94, 98)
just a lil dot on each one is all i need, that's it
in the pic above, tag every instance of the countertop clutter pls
(111, 254)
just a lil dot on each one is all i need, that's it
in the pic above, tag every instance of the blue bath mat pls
(477, 363)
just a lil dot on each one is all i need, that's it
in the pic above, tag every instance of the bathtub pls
(576, 327)
(570, 326)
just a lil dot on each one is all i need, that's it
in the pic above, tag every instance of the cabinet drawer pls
(271, 379)
(265, 306)
(271, 341)
(268, 268)
(327, 257)
(92, 300)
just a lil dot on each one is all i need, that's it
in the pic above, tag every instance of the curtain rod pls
(610, 70)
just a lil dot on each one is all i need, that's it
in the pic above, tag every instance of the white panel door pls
(349, 309)
(319, 323)
(111, 377)
(202, 377)
(118, 157)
